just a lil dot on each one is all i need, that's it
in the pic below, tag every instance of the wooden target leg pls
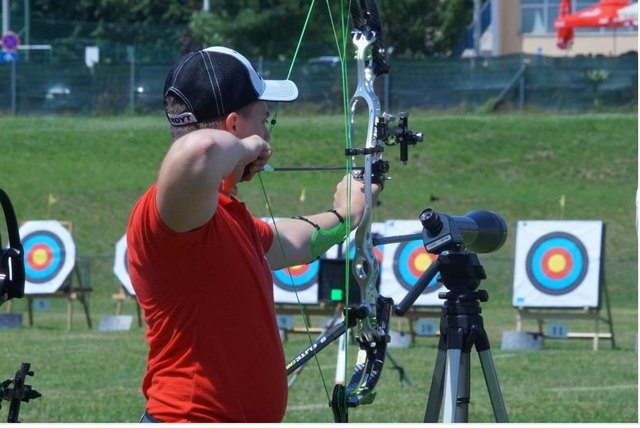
(85, 304)
(30, 310)
(69, 312)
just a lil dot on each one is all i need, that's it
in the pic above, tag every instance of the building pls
(526, 26)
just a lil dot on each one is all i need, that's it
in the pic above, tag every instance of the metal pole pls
(132, 76)
(477, 27)
(27, 26)
(13, 87)
(5, 16)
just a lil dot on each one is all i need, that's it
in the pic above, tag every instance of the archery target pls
(410, 262)
(404, 264)
(297, 278)
(296, 283)
(49, 255)
(557, 264)
(120, 266)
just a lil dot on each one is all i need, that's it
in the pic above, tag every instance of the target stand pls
(51, 269)
(559, 275)
(121, 271)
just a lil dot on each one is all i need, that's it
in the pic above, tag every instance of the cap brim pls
(279, 90)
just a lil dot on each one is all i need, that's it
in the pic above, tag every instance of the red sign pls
(10, 42)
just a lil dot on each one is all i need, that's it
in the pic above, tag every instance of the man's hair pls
(173, 104)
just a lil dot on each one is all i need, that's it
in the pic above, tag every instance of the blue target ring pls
(410, 261)
(44, 256)
(557, 263)
(297, 278)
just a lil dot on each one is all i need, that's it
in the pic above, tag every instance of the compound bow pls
(373, 315)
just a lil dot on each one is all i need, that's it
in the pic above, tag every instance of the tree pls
(414, 28)
(271, 27)
(148, 23)
(457, 15)
(267, 27)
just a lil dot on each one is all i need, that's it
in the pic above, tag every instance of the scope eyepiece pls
(431, 220)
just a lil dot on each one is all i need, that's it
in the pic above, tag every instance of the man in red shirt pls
(201, 264)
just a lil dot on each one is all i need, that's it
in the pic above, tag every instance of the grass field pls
(520, 166)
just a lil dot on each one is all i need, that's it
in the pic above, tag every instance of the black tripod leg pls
(493, 387)
(434, 402)
(464, 388)
(451, 382)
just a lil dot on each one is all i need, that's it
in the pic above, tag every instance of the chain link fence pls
(123, 82)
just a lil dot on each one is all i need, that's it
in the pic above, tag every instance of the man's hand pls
(357, 204)
(256, 165)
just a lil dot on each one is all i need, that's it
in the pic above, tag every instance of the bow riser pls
(365, 267)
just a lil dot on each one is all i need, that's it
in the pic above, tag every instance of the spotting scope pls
(479, 231)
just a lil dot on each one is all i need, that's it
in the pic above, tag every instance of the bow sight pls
(400, 134)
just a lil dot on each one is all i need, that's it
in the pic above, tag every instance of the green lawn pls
(519, 165)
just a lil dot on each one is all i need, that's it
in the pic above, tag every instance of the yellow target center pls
(40, 257)
(557, 263)
(422, 262)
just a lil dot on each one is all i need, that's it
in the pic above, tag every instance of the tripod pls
(461, 329)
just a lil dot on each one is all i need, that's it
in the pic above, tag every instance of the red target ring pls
(40, 257)
(557, 263)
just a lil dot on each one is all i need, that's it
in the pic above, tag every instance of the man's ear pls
(231, 122)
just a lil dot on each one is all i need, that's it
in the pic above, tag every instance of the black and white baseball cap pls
(216, 81)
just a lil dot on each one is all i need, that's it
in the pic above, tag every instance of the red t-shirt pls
(214, 347)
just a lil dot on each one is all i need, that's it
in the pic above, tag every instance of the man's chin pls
(229, 189)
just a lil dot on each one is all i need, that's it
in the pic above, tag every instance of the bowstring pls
(342, 56)
(342, 52)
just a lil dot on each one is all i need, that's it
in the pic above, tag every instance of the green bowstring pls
(341, 53)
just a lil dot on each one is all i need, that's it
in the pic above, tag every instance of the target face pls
(297, 278)
(405, 262)
(296, 284)
(49, 255)
(120, 266)
(557, 263)
(411, 260)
